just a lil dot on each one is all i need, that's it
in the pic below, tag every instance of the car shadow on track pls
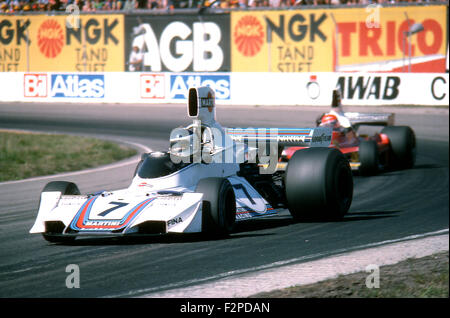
(428, 166)
(262, 224)
(354, 216)
(398, 172)
(271, 223)
(142, 240)
(242, 229)
(369, 215)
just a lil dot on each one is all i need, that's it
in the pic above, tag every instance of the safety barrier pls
(232, 88)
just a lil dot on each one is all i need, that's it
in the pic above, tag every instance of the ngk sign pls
(180, 43)
(43, 43)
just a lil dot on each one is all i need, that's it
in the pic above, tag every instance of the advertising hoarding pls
(178, 43)
(372, 38)
(377, 39)
(41, 43)
(281, 41)
(237, 88)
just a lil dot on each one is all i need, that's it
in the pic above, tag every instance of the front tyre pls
(402, 146)
(319, 184)
(66, 188)
(218, 206)
(368, 158)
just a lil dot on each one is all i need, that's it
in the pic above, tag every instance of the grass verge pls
(426, 277)
(26, 155)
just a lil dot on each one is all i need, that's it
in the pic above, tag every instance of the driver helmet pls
(329, 120)
(181, 145)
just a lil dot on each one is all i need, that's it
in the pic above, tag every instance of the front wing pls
(122, 213)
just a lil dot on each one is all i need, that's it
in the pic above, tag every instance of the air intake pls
(54, 227)
(152, 227)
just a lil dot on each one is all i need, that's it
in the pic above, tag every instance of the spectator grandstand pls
(14, 6)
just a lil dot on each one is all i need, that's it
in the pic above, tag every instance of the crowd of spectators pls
(107, 5)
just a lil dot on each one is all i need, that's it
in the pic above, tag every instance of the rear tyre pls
(218, 206)
(319, 184)
(369, 158)
(66, 188)
(402, 146)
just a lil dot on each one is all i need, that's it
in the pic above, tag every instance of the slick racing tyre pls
(319, 184)
(218, 206)
(402, 146)
(368, 158)
(53, 231)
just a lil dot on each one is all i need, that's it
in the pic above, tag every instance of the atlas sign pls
(78, 85)
(180, 84)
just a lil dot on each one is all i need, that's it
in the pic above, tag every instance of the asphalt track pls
(389, 206)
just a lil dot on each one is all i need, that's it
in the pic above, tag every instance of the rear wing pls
(370, 119)
(284, 137)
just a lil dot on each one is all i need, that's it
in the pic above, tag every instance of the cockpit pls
(157, 164)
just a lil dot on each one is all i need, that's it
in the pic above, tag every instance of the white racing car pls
(210, 178)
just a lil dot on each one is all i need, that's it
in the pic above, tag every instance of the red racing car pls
(392, 148)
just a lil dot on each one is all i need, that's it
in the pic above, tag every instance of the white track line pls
(312, 272)
(249, 281)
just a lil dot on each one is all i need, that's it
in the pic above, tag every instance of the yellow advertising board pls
(39, 43)
(376, 38)
(281, 41)
(372, 38)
